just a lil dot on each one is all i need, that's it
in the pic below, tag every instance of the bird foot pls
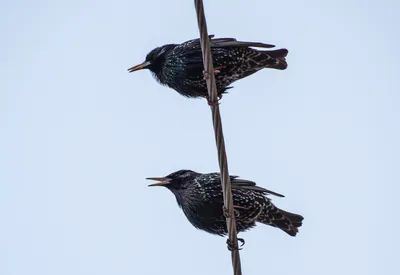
(242, 242)
(206, 75)
(237, 212)
(217, 69)
(214, 103)
(226, 212)
(232, 246)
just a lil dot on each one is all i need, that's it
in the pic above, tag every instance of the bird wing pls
(232, 42)
(196, 42)
(250, 185)
(227, 42)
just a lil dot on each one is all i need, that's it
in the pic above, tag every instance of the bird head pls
(154, 59)
(175, 181)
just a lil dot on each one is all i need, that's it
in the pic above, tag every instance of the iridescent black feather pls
(180, 66)
(200, 197)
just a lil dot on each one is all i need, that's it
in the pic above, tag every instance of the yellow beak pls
(144, 65)
(161, 181)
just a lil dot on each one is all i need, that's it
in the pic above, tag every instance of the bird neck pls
(180, 197)
(158, 64)
(185, 197)
(159, 74)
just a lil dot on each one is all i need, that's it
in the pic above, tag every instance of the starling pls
(180, 66)
(200, 197)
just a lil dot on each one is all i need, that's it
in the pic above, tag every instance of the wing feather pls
(250, 185)
(228, 42)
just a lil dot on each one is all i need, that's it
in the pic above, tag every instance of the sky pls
(79, 135)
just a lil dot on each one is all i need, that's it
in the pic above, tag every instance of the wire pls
(219, 136)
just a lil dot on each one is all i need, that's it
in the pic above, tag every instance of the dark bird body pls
(180, 66)
(200, 197)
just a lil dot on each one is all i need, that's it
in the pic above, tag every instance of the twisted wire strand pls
(219, 136)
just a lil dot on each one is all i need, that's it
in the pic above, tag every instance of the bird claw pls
(226, 212)
(242, 242)
(214, 103)
(237, 213)
(206, 75)
(217, 69)
(241, 207)
(232, 247)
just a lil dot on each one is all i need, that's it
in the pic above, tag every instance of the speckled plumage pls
(180, 66)
(200, 197)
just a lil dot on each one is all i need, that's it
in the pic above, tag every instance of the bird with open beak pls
(200, 197)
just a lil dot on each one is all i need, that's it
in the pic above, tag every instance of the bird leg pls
(232, 247)
(230, 244)
(205, 75)
(237, 212)
(241, 207)
(242, 242)
(225, 210)
(216, 71)
(212, 103)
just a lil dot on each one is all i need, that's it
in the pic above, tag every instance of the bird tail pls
(285, 221)
(278, 57)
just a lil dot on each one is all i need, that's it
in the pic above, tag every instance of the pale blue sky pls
(79, 135)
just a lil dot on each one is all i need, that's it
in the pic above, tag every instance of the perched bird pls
(180, 66)
(200, 197)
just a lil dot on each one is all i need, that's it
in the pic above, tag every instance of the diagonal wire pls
(219, 136)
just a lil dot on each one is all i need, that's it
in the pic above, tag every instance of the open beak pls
(161, 181)
(144, 65)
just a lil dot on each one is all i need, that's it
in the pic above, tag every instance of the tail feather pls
(296, 220)
(280, 58)
(281, 219)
